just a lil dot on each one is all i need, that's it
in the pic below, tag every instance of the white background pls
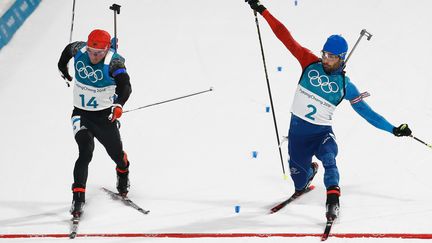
(191, 160)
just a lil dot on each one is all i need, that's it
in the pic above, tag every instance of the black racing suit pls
(95, 124)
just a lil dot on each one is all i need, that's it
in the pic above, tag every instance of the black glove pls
(256, 5)
(64, 73)
(402, 130)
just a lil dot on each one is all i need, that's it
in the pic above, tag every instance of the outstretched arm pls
(364, 110)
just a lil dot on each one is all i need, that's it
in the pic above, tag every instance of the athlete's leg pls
(327, 152)
(300, 160)
(109, 136)
(85, 140)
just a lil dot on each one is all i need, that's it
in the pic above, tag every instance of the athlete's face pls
(96, 55)
(330, 62)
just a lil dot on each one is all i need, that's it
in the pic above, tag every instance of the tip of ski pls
(74, 227)
(144, 211)
(72, 235)
(290, 199)
(127, 201)
(327, 229)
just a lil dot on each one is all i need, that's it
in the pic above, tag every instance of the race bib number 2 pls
(312, 112)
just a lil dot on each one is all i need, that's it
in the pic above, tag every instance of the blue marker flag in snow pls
(254, 154)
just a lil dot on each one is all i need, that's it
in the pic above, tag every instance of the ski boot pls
(123, 183)
(78, 202)
(314, 166)
(332, 203)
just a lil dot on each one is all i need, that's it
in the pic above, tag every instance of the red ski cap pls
(99, 39)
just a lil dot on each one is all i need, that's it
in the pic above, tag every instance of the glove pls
(116, 112)
(256, 5)
(402, 130)
(64, 73)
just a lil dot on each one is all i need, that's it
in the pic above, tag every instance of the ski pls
(327, 229)
(74, 227)
(290, 199)
(125, 200)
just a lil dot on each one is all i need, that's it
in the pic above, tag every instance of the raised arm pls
(303, 55)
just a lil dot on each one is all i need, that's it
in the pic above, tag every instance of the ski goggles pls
(330, 56)
(96, 52)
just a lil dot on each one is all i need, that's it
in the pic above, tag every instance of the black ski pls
(125, 200)
(327, 229)
(74, 227)
(290, 199)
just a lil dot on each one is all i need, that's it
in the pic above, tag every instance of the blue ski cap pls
(336, 45)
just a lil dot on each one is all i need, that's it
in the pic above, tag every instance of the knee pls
(85, 145)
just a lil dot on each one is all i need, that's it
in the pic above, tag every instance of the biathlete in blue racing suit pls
(322, 86)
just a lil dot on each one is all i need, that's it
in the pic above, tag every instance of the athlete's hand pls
(402, 130)
(64, 73)
(256, 5)
(116, 112)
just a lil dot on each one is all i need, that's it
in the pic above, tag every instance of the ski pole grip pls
(115, 8)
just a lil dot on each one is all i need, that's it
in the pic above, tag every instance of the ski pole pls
(170, 100)
(71, 31)
(363, 32)
(270, 95)
(116, 9)
(419, 140)
(72, 23)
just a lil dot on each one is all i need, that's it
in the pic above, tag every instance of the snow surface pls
(191, 160)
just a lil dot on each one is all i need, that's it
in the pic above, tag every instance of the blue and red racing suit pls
(317, 95)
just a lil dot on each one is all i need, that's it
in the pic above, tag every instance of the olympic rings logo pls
(322, 81)
(87, 72)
